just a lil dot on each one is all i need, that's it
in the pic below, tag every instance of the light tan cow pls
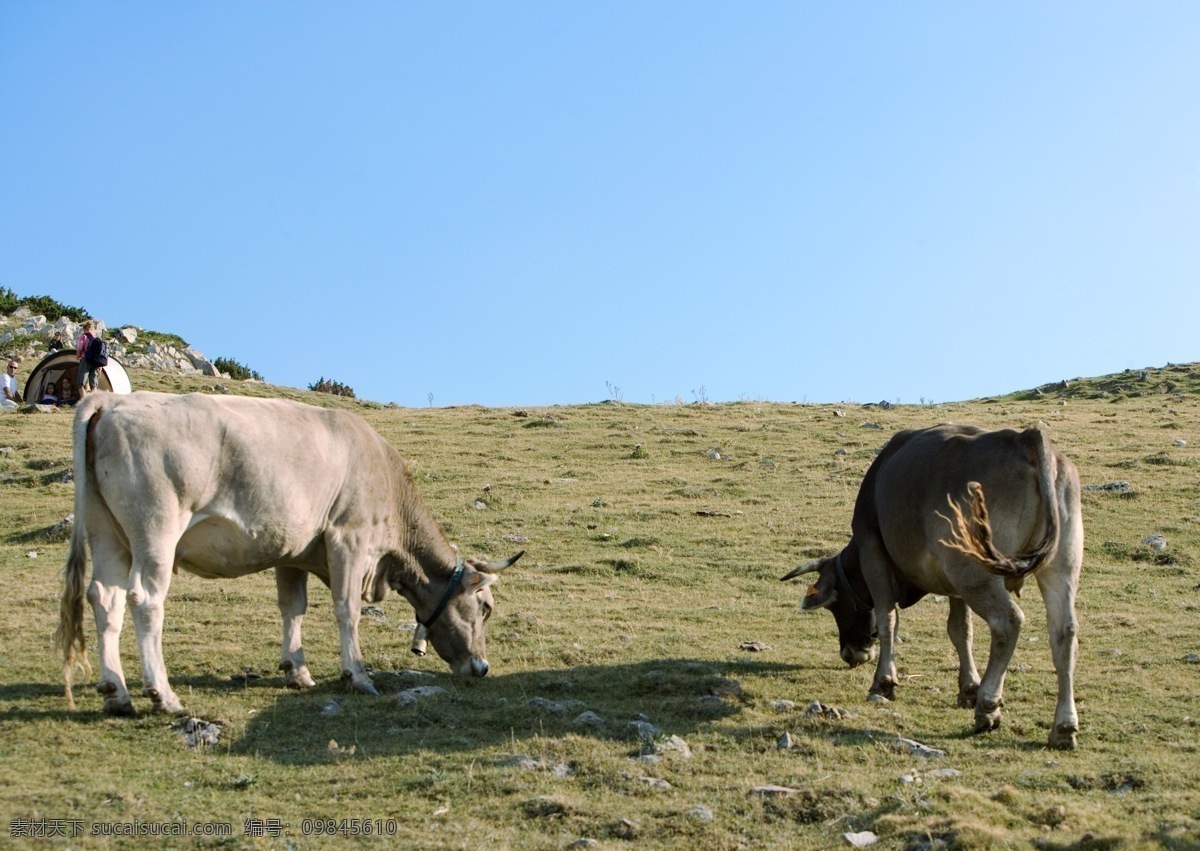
(224, 486)
(936, 513)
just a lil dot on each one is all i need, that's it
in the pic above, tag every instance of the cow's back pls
(247, 482)
(911, 483)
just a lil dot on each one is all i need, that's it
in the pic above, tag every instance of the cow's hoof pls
(167, 704)
(987, 716)
(361, 683)
(296, 677)
(966, 696)
(887, 689)
(120, 708)
(1062, 737)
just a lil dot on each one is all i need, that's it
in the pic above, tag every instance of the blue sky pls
(531, 203)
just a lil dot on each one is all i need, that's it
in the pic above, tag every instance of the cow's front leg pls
(1004, 618)
(150, 580)
(958, 627)
(346, 585)
(886, 677)
(292, 586)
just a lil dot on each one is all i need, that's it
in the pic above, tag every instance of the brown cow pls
(936, 513)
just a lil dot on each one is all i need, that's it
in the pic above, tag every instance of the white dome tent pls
(56, 367)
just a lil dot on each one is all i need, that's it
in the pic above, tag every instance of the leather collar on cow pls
(859, 604)
(455, 581)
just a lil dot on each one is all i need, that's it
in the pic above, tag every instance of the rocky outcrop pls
(27, 337)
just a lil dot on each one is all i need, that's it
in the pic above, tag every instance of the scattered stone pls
(785, 742)
(656, 783)
(838, 413)
(583, 841)
(877, 698)
(588, 719)
(943, 774)
(783, 706)
(197, 732)
(701, 813)
(644, 729)
(373, 611)
(1181, 443)
(871, 425)
(516, 538)
(331, 708)
(673, 744)
(772, 791)
(1192, 658)
(410, 696)
(754, 646)
(480, 505)
(860, 840)
(816, 709)
(525, 762)
(840, 452)
(726, 688)
(714, 455)
(1111, 487)
(31, 555)
(628, 829)
(711, 512)
(1158, 543)
(916, 748)
(554, 707)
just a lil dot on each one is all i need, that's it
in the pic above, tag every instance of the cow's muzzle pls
(854, 656)
(476, 667)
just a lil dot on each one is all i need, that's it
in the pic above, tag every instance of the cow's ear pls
(819, 596)
(480, 581)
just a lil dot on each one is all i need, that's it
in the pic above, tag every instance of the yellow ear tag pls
(812, 591)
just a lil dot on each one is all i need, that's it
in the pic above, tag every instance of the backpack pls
(97, 352)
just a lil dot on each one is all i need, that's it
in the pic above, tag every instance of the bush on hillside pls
(335, 388)
(41, 305)
(236, 370)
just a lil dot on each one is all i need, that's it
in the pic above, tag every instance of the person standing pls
(86, 375)
(10, 397)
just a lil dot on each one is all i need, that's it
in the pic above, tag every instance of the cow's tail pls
(68, 637)
(971, 531)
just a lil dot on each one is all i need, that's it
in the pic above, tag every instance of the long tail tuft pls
(972, 536)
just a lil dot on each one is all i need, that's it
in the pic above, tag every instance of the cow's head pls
(456, 625)
(854, 614)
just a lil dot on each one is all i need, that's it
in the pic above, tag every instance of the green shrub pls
(42, 305)
(335, 388)
(236, 370)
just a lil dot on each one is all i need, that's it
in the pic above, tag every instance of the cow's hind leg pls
(1058, 589)
(149, 581)
(1004, 617)
(106, 593)
(958, 627)
(292, 586)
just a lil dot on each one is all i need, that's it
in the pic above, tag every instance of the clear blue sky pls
(515, 203)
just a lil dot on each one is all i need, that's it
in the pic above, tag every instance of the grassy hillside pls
(650, 564)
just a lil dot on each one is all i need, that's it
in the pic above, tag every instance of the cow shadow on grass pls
(625, 702)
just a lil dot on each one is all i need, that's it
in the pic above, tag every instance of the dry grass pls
(646, 570)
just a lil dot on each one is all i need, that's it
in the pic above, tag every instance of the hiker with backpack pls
(93, 354)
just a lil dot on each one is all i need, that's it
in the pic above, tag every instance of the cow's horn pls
(810, 567)
(497, 566)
